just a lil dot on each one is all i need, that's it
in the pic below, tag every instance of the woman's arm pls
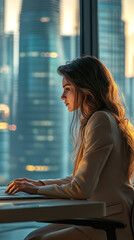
(32, 186)
(56, 181)
(98, 146)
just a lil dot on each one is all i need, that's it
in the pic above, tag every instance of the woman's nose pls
(62, 97)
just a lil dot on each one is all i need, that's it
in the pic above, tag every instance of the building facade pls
(40, 140)
(112, 39)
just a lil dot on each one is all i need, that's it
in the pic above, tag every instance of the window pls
(35, 38)
(116, 48)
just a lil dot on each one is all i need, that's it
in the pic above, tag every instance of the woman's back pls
(113, 186)
(114, 175)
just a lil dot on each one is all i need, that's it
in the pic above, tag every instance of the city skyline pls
(33, 94)
(45, 45)
(29, 136)
(11, 24)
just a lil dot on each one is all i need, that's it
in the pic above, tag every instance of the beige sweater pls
(101, 173)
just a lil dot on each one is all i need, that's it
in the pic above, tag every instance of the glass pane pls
(35, 38)
(116, 44)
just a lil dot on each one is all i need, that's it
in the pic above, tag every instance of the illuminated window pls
(3, 125)
(5, 69)
(40, 138)
(41, 123)
(49, 54)
(39, 74)
(33, 54)
(43, 168)
(5, 109)
(45, 19)
(50, 138)
(22, 54)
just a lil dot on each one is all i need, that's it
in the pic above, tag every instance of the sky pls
(12, 15)
(68, 8)
(68, 18)
(128, 17)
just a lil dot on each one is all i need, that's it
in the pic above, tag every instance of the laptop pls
(18, 195)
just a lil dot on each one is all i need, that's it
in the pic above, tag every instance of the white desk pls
(49, 209)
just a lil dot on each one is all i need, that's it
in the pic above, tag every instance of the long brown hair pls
(95, 84)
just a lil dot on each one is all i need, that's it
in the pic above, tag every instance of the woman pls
(104, 162)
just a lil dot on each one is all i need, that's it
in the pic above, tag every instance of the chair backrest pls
(132, 219)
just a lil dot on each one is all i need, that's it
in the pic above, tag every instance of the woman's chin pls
(70, 109)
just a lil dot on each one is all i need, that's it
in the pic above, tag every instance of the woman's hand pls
(24, 185)
(36, 183)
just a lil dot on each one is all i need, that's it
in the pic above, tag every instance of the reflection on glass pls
(35, 38)
(116, 48)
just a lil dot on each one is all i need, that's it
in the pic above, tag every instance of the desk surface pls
(49, 209)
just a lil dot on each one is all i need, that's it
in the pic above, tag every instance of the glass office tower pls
(1, 33)
(40, 140)
(2, 48)
(112, 39)
(129, 96)
(4, 100)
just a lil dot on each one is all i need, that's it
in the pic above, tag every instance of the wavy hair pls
(97, 89)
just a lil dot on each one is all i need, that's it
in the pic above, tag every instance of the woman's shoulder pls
(99, 128)
(101, 115)
(101, 119)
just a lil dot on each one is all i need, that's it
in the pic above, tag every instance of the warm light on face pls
(69, 95)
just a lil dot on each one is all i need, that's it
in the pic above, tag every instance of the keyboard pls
(18, 195)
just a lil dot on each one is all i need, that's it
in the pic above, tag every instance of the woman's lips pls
(67, 104)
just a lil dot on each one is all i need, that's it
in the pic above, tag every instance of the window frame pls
(89, 27)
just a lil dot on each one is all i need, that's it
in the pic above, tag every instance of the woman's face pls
(69, 95)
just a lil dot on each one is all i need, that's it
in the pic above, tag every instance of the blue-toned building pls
(112, 39)
(5, 95)
(129, 96)
(2, 46)
(41, 139)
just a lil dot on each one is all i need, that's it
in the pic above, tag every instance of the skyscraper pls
(2, 45)
(129, 97)
(112, 39)
(4, 102)
(40, 139)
